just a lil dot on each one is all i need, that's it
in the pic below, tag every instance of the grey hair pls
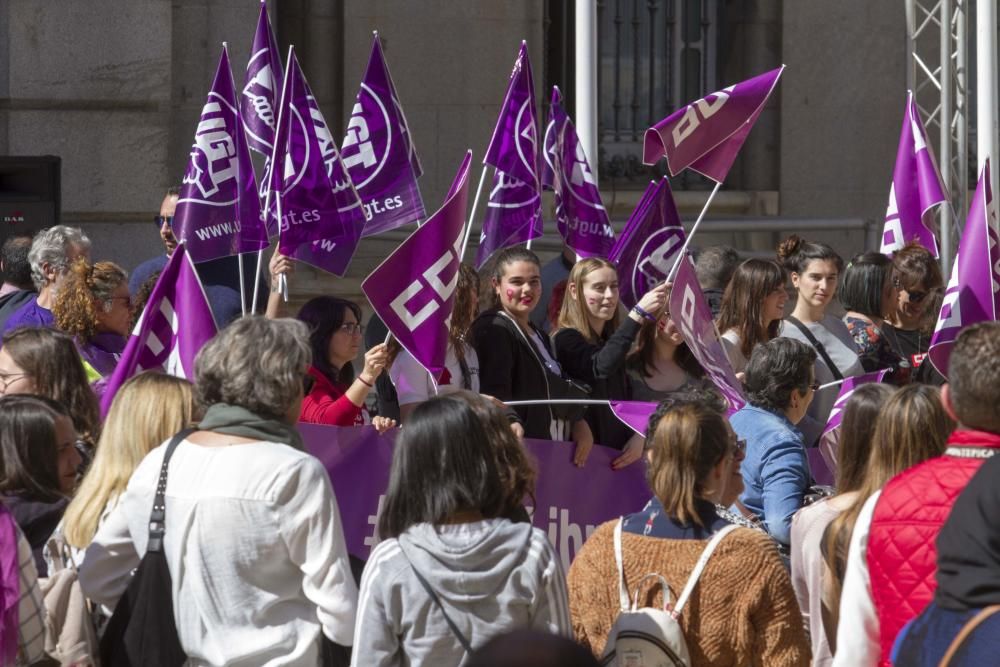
(52, 246)
(255, 363)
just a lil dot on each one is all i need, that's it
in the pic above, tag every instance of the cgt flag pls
(971, 295)
(648, 245)
(218, 211)
(706, 135)
(690, 312)
(514, 206)
(916, 187)
(413, 289)
(580, 214)
(175, 324)
(319, 209)
(379, 153)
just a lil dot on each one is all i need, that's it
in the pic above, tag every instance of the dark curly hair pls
(775, 369)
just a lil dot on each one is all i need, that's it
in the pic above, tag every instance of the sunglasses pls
(160, 219)
(915, 297)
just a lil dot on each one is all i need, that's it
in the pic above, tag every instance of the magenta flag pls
(915, 190)
(175, 324)
(513, 216)
(634, 414)
(379, 153)
(846, 391)
(690, 312)
(218, 211)
(645, 251)
(706, 135)
(580, 214)
(557, 117)
(320, 211)
(971, 295)
(412, 290)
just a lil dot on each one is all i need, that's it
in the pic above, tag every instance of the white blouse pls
(413, 382)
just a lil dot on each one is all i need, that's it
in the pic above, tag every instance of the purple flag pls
(645, 251)
(218, 212)
(580, 213)
(971, 295)
(513, 216)
(846, 391)
(916, 188)
(691, 314)
(557, 116)
(634, 414)
(175, 324)
(320, 212)
(379, 154)
(706, 135)
(413, 289)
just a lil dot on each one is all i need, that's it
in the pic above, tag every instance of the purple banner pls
(634, 414)
(645, 251)
(218, 211)
(570, 502)
(916, 188)
(582, 219)
(175, 323)
(706, 135)
(846, 391)
(690, 312)
(412, 290)
(514, 146)
(379, 153)
(320, 211)
(557, 117)
(971, 294)
(513, 216)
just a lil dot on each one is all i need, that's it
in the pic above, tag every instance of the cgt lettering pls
(442, 287)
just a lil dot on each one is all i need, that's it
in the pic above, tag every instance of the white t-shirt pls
(413, 382)
(731, 343)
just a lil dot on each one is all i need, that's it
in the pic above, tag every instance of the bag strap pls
(964, 633)
(158, 516)
(699, 566)
(820, 348)
(622, 591)
(451, 624)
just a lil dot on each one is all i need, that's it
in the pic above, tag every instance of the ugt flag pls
(514, 206)
(706, 135)
(916, 187)
(846, 391)
(379, 153)
(259, 102)
(690, 312)
(580, 214)
(413, 289)
(647, 247)
(557, 116)
(971, 295)
(175, 324)
(218, 212)
(320, 213)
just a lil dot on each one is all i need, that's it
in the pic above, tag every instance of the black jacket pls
(11, 303)
(37, 519)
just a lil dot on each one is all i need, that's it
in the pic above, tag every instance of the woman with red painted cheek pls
(815, 269)
(592, 341)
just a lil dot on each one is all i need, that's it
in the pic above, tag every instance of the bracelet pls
(641, 312)
(366, 382)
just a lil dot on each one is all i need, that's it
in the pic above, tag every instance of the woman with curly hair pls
(92, 306)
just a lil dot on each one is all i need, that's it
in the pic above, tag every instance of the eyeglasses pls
(814, 386)
(307, 384)
(740, 447)
(914, 297)
(160, 219)
(7, 379)
(352, 328)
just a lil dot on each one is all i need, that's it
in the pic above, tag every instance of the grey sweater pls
(492, 576)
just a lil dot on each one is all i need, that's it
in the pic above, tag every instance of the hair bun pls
(789, 247)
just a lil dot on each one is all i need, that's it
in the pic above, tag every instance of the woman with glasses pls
(333, 394)
(910, 323)
(869, 294)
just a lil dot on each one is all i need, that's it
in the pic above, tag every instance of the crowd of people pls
(876, 568)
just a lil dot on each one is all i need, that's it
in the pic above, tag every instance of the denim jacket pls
(775, 470)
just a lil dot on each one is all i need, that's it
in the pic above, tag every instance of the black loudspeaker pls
(29, 193)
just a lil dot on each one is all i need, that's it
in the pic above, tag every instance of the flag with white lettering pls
(645, 251)
(690, 312)
(706, 135)
(846, 391)
(175, 324)
(218, 211)
(412, 290)
(972, 293)
(320, 213)
(915, 190)
(379, 154)
(580, 214)
(557, 116)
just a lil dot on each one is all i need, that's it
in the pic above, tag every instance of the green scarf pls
(238, 421)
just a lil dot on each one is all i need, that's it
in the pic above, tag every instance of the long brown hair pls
(573, 313)
(857, 429)
(743, 301)
(464, 308)
(643, 357)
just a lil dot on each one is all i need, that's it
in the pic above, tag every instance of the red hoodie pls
(327, 404)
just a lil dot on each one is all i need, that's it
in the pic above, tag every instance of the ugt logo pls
(441, 277)
(655, 258)
(699, 111)
(213, 155)
(525, 137)
(370, 136)
(258, 94)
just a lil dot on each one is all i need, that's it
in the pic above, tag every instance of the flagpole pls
(256, 280)
(282, 280)
(687, 241)
(560, 401)
(243, 287)
(472, 215)
(830, 384)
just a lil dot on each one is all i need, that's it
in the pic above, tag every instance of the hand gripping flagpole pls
(687, 241)
(472, 215)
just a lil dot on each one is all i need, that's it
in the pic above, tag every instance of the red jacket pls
(902, 550)
(327, 404)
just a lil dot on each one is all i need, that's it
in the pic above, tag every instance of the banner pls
(378, 152)
(706, 135)
(647, 247)
(916, 188)
(218, 210)
(570, 502)
(971, 295)
(690, 312)
(634, 414)
(412, 290)
(580, 214)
